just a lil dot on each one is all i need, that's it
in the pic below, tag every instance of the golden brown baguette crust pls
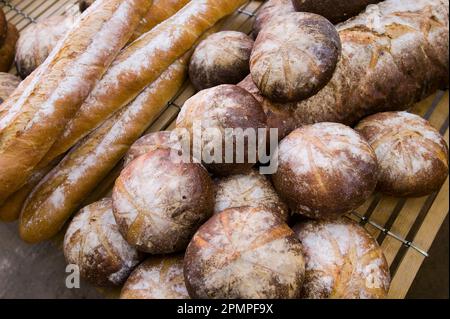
(140, 64)
(394, 54)
(60, 193)
(31, 124)
(8, 48)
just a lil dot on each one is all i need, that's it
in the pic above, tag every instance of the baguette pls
(140, 64)
(60, 193)
(30, 124)
(393, 55)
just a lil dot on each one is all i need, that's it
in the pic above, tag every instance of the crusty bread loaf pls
(269, 10)
(342, 261)
(140, 64)
(244, 253)
(45, 104)
(8, 83)
(3, 27)
(38, 40)
(93, 243)
(8, 48)
(393, 54)
(294, 56)
(62, 190)
(159, 277)
(325, 170)
(412, 155)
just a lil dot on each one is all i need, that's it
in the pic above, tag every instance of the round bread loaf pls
(252, 189)
(94, 244)
(84, 4)
(222, 58)
(412, 155)
(8, 83)
(294, 56)
(244, 253)
(335, 11)
(279, 116)
(159, 277)
(3, 27)
(38, 40)
(342, 261)
(8, 48)
(159, 203)
(269, 10)
(325, 170)
(213, 111)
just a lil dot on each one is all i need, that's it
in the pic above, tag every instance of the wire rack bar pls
(7, 4)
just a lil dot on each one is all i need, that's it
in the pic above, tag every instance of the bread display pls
(269, 10)
(236, 108)
(279, 115)
(40, 108)
(38, 40)
(159, 203)
(8, 48)
(222, 58)
(252, 189)
(94, 244)
(159, 277)
(244, 253)
(335, 11)
(342, 261)
(294, 56)
(45, 211)
(3, 27)
(393, 55)
(8, 83)
(412, 155)
(325, 170)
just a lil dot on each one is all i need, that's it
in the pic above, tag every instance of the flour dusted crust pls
(244, 253)
(222, 58)
(8, 83)
(159, 204)
(342, 261)
(269, 10)
(279, 116)
(325, 170)
(252, 189)
(412, 155)
(38, 40)
(8, 48)
(3, 27)
(94, 243)
(294, 56)
(224, 106)
(159, 277)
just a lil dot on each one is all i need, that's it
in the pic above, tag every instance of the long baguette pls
(31, 124)
(393, 55)
(60, 193)
(140, 64)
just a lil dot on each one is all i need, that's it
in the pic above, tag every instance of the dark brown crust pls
(325, 170)
(411, 163)
(222, 58)
(273, 261)
(8, 83)
(269, 10)
(294, 56)
(8, 48)
(3, 27)
(84, 4)
(335, 11)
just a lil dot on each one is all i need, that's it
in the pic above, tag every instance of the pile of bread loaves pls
(335, 79)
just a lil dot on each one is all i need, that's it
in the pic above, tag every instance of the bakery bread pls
(412, 155)
(244, 253)
(294, 56)
(222, 58)
(325, 170)
(8, 48)
(159, 203)
(159, 277)
(84, 4)
(343, 261)
(216, 109)
(251, 189)
(279, 115)
(335, 11)
(3, 27)
(269, 10)
(8, 83)
(38, 40)
(93, 243)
